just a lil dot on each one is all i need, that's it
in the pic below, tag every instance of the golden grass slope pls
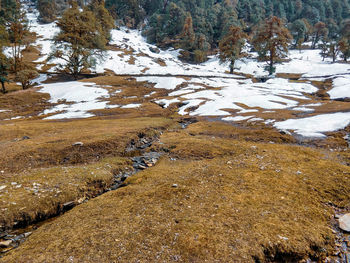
(235, 201)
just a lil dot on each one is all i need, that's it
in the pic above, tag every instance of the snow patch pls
(341, 88)
(131, 106)
(75, 99)
(237, 118)
(316, 126)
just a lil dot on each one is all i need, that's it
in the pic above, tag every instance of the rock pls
(141, 166)
(285, 132)
(81, 200)
(344, 222)
(154, 50)
(78, 144)
(2, 187)
(68, 205)
(27, 234)
(5, 243)
(174, 185)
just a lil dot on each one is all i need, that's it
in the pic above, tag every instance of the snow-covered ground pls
(308, 63)
(208, 90)
(316, 126)
(341, 87)
(74, 99)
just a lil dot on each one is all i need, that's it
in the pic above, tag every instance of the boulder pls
(5, 243)
(344, 222)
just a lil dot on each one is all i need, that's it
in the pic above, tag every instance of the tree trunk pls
(271, 64)
(3, 90)
(232, 66)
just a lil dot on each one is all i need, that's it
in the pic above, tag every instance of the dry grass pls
(51, 142)
(37, 194)
(27, 162)
(27, 103)
(31, 54)
(256, 133)
(236, 201)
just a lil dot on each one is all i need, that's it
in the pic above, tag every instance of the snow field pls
(212, 93)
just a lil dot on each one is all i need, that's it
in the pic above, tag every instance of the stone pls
(78, 144)
(285, 132)
(142, 167)
(344, 222)
(68, 205)
(27, 234)
(154, 50)
(5, 243)
(174, 185)
(2, 187)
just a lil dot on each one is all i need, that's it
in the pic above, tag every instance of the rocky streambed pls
(11, 239)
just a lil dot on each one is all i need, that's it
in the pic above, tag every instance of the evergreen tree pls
(80, 41)
(298, 30)
(26, 75)
(271, 42)
(320, 32)
(4, 62)
(333, 50)
(324, 46)
(103, 17)
(344, 48)
(47, 10)
(187, 36)
(344, 42)
(18, 32)
(7, 10)
(231, 46)
(187, 39)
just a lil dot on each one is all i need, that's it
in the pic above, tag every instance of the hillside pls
(144, 156)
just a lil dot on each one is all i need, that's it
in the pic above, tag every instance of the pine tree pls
(320, 31)
(80, 41)
(344, 48)
(18, 31)
(271, 42)
(7, 10)
(4, 62)
(25, 75)
(324, 48)
(187, 40)
(344, 42)
(333, 50)
(47, 10)
(231, 46)
(103, 17)
(187, 36)
(298, 30)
